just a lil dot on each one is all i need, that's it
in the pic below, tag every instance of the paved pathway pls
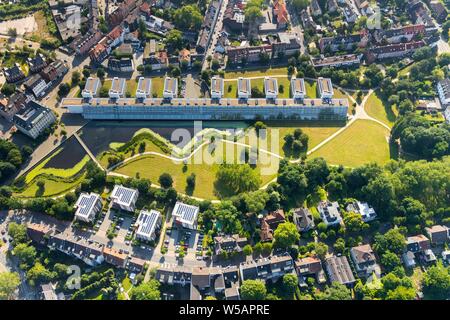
(88, 151)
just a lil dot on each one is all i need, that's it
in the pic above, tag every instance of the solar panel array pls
(123, 195)
(86, 204)
(185, 212)
(147, 222)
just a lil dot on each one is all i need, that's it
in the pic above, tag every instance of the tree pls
(174, 39)
(165, 180)
(76, 76)
(188, 18)
(354, 223)
(100, 72)
(286, 234)
(393, 240)
(237, 178)
(436, 282)
(38, 274)
(146, 291)
(190, 181)
(401, 293)
(25, 253)
(9, 282)
(321, 249)
(290, 283)
(253, 290)
(8, 89)
(18, 233)
(247, 250)
(336, 291)
(390, 260)
(63, 89)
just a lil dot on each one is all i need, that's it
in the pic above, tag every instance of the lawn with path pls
(380, 110)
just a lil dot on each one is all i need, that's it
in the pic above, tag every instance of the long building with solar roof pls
(124, 198)
(148, 223)
(87, 206)
(185, 215)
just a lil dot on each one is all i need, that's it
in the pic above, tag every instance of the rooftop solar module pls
(123, 195)
(185, 213)
(86, 203)
(147, 221)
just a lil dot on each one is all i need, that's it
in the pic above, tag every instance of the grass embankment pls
(380, 110)
(364, 141)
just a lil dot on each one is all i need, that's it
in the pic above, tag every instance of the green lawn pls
(364, 141)
(203, 164)
(381, 111)
(158, 86)
(256, 73)
(52, 187)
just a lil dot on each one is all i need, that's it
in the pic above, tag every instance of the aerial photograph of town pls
(224, 150)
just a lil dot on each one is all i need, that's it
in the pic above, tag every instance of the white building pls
(117, 88)
(367, 212)
(170, 88)
(443, 89)
(329, 212)
(124, 198)
(33, 119)
(298, 88)
(87, 206)
(271, 87)
(148, 222)
(244, 89)
(185, 215)
(325, 88)
(144, 88)
(90, 88)
(217, 85)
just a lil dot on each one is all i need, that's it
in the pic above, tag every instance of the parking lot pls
(190, 239)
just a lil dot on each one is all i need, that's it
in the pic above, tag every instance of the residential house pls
(144, 88)
(229, 244)
(85, 43)
(303, 219)
(148, 224)
(13, 74)
(365, 261)
(280, 13)
(38, 232)
(309, 266)
(48, 292)
(158, 61)
(364, 209)
(33, 119)
(244, 88)
(338, 270)
(124, 198)
(344, 43)
(443, 90)
(117, 89)
(446, 256)
(115, 257)
(217, 87)
(350, 12)
(36, 85)
(286, 44)
(336, 61)
(170, 88)
(54, 72)
(177, 275)
(325, 88)
(250, 54)
(135, 265)
(393, 50)
(121, 65)
(438, 11)
(308, 21)
(438, 234)
(329, 212)
(332, 6)
(402, 34)
(271, 87)
(90, 88)
(269, 223)
(418, 243)
(409, 259)
(78, 247)
(88, 206)
(14, 104)
(234, 17)
(271, 268)
(231, 280)
(37, 63)
(315, 8)
(184, 57)
(185, 215)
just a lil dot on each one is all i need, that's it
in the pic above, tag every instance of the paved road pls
(215, 34)
(296, 27)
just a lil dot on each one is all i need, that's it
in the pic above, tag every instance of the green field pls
(204, 164)
(256, 73)
(363, 142)
(381, 111)
(53, 187)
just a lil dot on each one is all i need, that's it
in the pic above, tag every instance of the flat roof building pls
(148, 222)
(244, 89)
(364, 209)
(329, 212)
(298, 88)
(217, 85)
(124, 198)
(170, 88)
(271, 87)
(33, 119)
(91, 88)
(144, 88)
(117, 88)
(87, 206)
(185, 215)
(325, 88)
